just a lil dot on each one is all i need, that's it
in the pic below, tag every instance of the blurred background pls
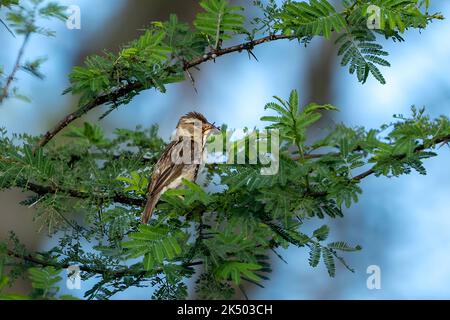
(402, 224)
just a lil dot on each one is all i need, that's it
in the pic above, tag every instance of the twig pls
(136, 86)
(192, 80)
(7, 28)
(418, 149)
(78, 113)
(118, 198)
(10, 79)
(110, 273)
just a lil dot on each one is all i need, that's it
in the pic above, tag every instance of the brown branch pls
(10, 79)
(419, 148)
(117, 197)
(93, 104)
(43, 190)
(371, 171)
(212, 55)
(100, 100)
(364, 175)
(111, 273)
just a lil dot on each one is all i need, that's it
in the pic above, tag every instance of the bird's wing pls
(165, 170)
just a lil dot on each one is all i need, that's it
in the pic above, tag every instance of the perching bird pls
(180, 160)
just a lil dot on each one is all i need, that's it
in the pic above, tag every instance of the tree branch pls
(111, 273)
(100, 100)
(419, 148)
(117, 197)
(213, 54)
(85, 109)
(5, 90)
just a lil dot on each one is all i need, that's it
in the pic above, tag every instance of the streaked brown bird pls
(181, 159)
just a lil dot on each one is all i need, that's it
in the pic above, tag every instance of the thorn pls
(278, 255)
(192, 80)
(444, 143)
(251, 54)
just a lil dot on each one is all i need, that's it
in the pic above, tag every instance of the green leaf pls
(32, 67)
(328, 259)
(156, 244)
(395, 14)
(314, 255)
(8, 3)
(322, 233)
(234, 270)
(137, 183)
(191, 194)
(149, 262)
(360, 52)
(45, 279)
(89, 133)
(53, 10)
(318, 17)
(219, 21)
(13, 297)
(342, 246)
(151, 47)
(292, 121)
(3, 282)
(37, 162)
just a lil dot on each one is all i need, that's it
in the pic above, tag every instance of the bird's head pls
(195, 121)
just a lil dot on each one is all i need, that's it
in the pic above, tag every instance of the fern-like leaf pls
(45, 279)
(314, 255)
(394, 15)
(156, 244)
(235, 270)
(318, 17)
(362, 55)
(343, 246)
(328, 259)
(219, 21)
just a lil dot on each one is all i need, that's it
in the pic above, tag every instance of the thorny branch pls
(136, 86)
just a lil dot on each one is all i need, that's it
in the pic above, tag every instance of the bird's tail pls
(149, 207)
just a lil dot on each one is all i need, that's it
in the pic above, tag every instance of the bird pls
(181, 159)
